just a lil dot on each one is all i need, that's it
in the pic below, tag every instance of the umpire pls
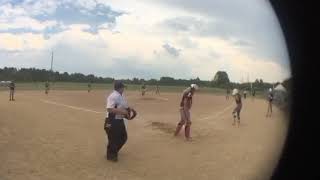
(117, 110)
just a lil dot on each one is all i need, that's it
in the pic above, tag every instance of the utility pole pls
(248, 79)
(51, 61)
(51, 70)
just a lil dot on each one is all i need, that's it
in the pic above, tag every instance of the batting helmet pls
(194, 86)
(235, 91)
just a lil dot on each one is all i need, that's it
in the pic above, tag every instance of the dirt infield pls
(60, 136)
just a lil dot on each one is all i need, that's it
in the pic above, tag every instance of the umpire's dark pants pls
(117, 137)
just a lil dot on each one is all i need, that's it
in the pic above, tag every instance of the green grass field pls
(100, 86)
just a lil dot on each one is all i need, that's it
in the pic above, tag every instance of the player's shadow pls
(164, 127)
(171, 128)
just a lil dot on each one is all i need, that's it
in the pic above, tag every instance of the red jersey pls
(238, 99)
(186, 100)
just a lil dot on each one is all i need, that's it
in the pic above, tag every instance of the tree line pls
(220, 79)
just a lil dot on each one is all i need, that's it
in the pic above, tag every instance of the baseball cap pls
(118, 85)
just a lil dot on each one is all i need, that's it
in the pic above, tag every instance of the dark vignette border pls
(298, 159)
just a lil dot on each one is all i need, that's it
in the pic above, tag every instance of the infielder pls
(228, 93)
(237, 109)
(270, 99)
(89, 87)
(253, 94)
(157, 90)
(143, 89)
(47, 87)
(12, 86)
(185, 106)
(245, 94)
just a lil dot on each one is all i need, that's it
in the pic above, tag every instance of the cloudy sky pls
(145, 38)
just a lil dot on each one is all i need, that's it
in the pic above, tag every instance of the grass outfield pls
(100, 86)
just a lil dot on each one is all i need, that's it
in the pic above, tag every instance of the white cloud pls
(11, 42)
(8, 11)
(89, 4)
(137, 50)
(131, 44)
(26, 23)
(21, 42)
(39, 7)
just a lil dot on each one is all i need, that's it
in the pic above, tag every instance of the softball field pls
(61, 137)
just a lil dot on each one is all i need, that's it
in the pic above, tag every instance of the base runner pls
(185, 106)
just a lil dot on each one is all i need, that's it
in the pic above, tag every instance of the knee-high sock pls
(179, 126)
(187, 130)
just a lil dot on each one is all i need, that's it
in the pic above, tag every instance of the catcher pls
(117, 111)
(185, 106)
